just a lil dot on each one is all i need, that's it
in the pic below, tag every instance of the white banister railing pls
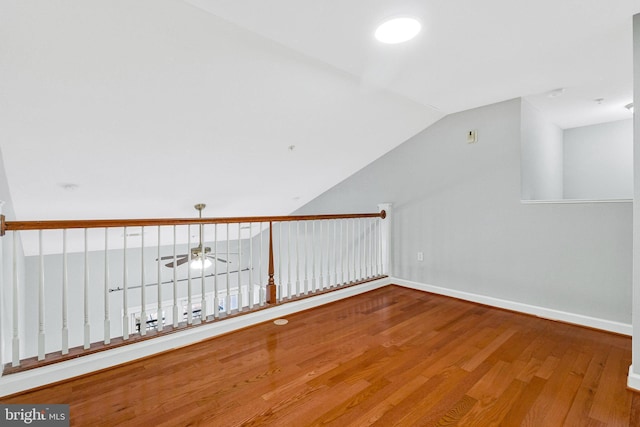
(140, 278)
(15, 342)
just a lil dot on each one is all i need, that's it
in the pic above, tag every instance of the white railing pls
(84, 282)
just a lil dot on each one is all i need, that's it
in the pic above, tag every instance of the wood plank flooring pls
(393, 356)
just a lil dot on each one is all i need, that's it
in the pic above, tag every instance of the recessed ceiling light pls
(397, 30)
(556, 92)
(68, 186)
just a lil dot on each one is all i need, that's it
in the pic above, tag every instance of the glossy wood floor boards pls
(393, 356)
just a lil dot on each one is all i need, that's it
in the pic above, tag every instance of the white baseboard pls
(546, 313)
(21, 381)
(633, 380)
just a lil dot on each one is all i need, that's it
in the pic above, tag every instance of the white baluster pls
(176, 316)
(379, 240)
(65, 293)
(371, 247)
(15, 342)
(107, 321)
(189, 284)
(363, 239)
(87, 326)
(261, 277)
(143, 290)
(251, 283)
(374, 239)
(354, 241)
(306, 261)
(227, 307)
(216, 297)
(203, 300)
(240, 302)
(360, 247)
(328, 249)
(289, 289)
(334, 282)
(320, 250)
(364, 247)
(279, 281)
(313, 256)
(347, 258)
(125, 291)
(363, 254)
(342, 269)
(297, 258)
(159, 313)
(41, 335)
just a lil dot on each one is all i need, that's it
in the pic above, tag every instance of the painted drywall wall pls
(6, 266)
(542, 156)
(598, 161)
(635, 371)
(459, 204)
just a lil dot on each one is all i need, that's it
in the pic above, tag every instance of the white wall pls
(6, 266)
(460, 204)
(542, 156)
(598, 161)
(634, 373)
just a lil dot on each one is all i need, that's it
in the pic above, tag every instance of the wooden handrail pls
(111, 223)
(271, 288)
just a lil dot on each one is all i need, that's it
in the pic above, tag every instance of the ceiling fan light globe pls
(199, 263)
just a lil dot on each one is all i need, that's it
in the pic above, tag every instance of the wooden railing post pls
(271, 286)
(385, 209)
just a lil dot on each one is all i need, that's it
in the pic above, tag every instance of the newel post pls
(271, 286)
(385, 228)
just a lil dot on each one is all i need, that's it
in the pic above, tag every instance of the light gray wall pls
(598, 161)
(542, 156)
(6, 254)
(636, 197)
(460, 204)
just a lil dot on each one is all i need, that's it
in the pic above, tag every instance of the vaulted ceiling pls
(121, 108)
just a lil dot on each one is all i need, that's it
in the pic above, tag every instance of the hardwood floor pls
(393, 356)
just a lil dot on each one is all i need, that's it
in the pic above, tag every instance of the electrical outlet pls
(420, 256)
(472, 136)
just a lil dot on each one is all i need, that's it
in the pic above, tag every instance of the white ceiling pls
(151, 106)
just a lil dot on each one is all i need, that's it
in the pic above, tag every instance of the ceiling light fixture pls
(397, 30)
(556, 92)
(199, 263)
(69, 186)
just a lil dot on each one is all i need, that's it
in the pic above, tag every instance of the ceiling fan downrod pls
(199, 207)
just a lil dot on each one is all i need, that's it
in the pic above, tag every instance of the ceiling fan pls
(200, 256)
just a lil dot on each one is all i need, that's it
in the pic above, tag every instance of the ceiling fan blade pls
(178, 263)
(218, 259)
(170, 257)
